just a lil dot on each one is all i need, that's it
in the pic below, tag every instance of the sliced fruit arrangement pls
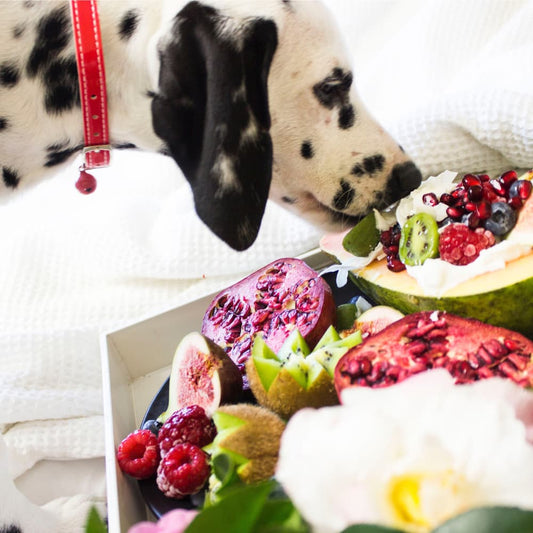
(278, 298)
(469, 349)
(477, 213)
(296, 377)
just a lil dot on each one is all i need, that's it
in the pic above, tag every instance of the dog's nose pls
(406, 177)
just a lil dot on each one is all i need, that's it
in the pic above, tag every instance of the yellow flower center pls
(421, 501)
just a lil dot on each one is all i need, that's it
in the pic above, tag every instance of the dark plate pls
(155, 500)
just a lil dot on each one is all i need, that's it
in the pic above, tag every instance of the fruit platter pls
(366, 387)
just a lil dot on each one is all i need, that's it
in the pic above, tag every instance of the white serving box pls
(136, 361)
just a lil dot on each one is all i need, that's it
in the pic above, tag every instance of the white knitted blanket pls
(451, 80)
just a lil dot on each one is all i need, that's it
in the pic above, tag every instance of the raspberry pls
(188, 424)
(184, 470)
(460, 245)
(137, 454)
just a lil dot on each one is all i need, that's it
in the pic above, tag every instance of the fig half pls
(202, 374)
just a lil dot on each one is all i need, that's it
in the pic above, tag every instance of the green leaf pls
(372, 528)
(238, 512)
(280, 516)
(490, 520)
(94, 523)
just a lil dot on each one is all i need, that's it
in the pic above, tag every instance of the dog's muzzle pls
(404, 178)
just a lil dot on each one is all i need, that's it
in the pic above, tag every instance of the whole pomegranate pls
(284, 295)
(469, 349)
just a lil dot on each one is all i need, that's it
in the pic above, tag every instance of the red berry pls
(137, 454)
(460, 245)
(86, 183)
(188, 424)
(184, 470)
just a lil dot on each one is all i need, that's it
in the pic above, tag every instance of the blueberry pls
(152, 425)
(502, 218)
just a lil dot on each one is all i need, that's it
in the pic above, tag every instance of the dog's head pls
(259, 104)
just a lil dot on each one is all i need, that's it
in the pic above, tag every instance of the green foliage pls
(94, 523)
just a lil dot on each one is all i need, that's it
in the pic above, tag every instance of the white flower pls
(412, 455)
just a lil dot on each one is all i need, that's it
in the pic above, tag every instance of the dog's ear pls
(212, 112)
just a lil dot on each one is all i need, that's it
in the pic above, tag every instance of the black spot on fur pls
(358, 170)
(128, 24)
(288, 200)
(374, 163)
(346, 117)
(344, 196)
(18, 30)
(333, 91)
(306, 150)
(59, 153)
(4, 123)
(123, 146)
(53, 35)
(9, 74)
(12, 528)
(62, 87)
(10, 177)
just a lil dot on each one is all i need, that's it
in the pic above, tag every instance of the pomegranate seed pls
(507, 178)
(475, 193)
(395, 265)
(447, 199)
(515, 202)
(483, 177)
(521, 188)
(455, 212)
(470, 206)
(473, 220)
(483, 210)
(520, 361)
(498, 187)
(385, 237)
(510, 344)
(430, 198)
(470, 180)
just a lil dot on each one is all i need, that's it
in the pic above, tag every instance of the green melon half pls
(503, 298)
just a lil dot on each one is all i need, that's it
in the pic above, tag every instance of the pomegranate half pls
(469, 349)
(283, 295)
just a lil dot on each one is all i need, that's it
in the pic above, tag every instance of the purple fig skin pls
(203, 374)
(283, 295)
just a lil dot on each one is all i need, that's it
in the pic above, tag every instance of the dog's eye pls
(334, 89)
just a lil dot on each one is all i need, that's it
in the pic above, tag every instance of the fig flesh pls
(202, 374)
(276, 299)
(469, 349)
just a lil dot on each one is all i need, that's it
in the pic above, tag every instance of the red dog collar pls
(91, 74)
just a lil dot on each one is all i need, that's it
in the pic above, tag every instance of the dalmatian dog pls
(251, 99)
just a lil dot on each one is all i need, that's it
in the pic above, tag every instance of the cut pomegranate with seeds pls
(284, 295)
(468, 349)
(460, 245)
(138, 454)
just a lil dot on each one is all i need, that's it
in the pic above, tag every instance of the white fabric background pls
(451, 79)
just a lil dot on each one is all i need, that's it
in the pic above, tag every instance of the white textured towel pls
(451, 80)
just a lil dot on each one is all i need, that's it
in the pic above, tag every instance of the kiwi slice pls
(363, 237)
(419, 239)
